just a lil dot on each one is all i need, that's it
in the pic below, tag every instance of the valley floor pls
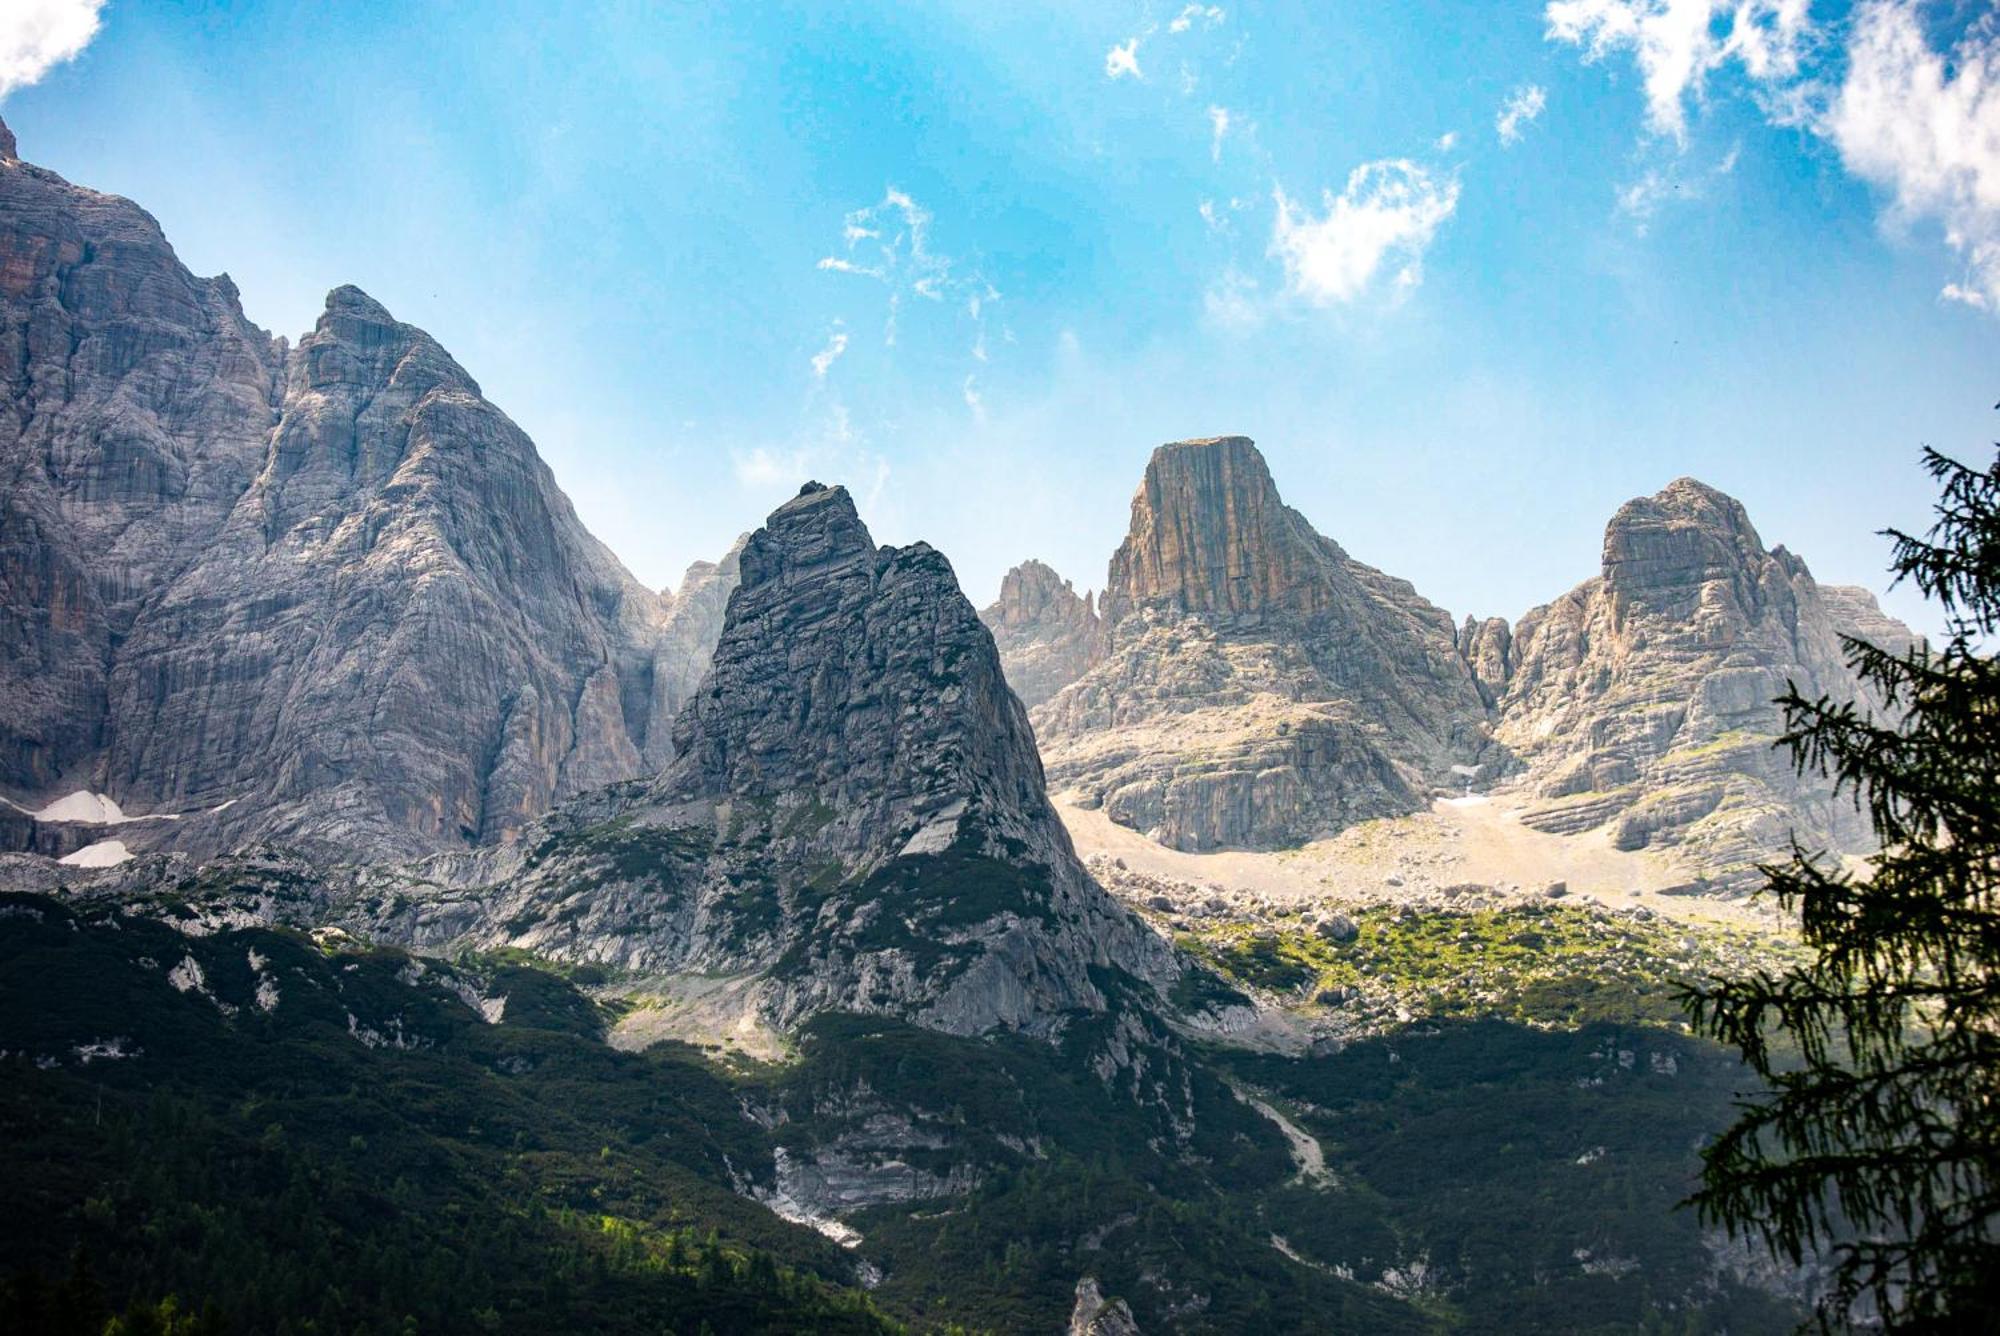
(1473, 848)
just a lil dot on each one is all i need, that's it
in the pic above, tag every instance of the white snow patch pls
(1465, 771)
(1469, 800)
(104, 853)
(267, 993)
(99, 809)
(258, 961)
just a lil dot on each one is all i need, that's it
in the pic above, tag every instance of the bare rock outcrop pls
(1047, 634)
(1643, 699)
(323, 593)
(1258, 686)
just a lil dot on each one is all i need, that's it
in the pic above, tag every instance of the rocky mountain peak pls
(813, 531)
(1660, 550)
(1048, 635)
(1210, 535)
(1253, 684)
(858, 678)
(9, 152)
(356, 342)
(854, 819)
(1644, 698)
(1032, 593)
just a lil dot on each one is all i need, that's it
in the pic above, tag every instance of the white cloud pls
(1521, 108)
(897, 232)
(1208, 16)
(1123, 61)
(1387, 215)
(972, 400)
(1679, 43)
(1972, 297)
(37, 35)
(824, 359)
(1447, 141)
(1926, 128)
(1218, 124)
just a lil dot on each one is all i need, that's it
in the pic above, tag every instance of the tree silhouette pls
(1877, 1144)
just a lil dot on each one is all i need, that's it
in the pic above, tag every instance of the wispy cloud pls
(1208, 16)
(889, 242)
(1234, 303)
(823, 360)
(1122, 61)
(1679, 43)
(1521, 109)
(828, 448)
(1917, 122)
(1446, 142)
(38, 35)
(1218, 125)
(1384, 219)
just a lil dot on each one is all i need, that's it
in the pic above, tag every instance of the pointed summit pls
(814, 529)
(1046, 632)
(9, 152)
(855, 819)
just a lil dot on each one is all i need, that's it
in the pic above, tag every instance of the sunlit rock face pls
(323, 593)
(1256, 686)
(1643, 700)
(1048, 635)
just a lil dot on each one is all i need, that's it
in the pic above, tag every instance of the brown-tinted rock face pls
(1258, 686)
(1643, 698)
(327, 590)
(1048, 636)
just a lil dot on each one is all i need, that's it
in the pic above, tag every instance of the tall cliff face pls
(1047, 635)
(1642, 700)
(855, 818)
(319, 593)
(1258, 686)
(135, 402)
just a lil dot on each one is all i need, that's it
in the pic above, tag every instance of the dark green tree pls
(1876, 1144)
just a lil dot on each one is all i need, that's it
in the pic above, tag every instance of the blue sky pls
(977, 260)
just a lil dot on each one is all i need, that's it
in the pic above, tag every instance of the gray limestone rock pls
(325, 593)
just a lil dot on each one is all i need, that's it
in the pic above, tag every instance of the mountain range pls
(334, 744)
